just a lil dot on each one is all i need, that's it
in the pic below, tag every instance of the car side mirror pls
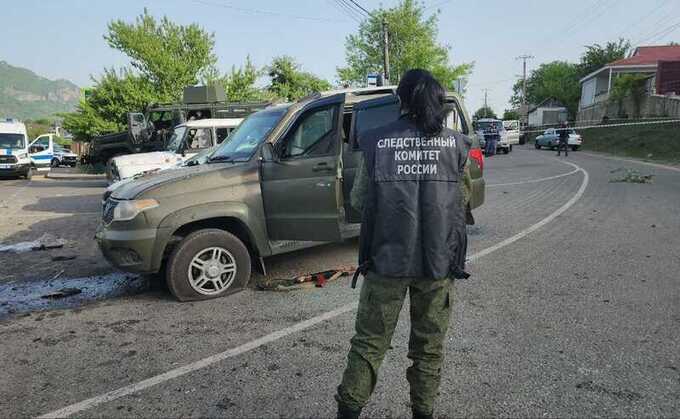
(268, 153)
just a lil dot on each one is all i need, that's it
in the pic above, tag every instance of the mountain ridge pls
(26, 95)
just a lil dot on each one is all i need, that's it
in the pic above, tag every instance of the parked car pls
(187, 140)
(281, 183)
(46, 152)
(488, 128)
(550, 138)
(14, 158)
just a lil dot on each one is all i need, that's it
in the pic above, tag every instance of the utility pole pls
(524, 59)
(386, 51)
(486, 106)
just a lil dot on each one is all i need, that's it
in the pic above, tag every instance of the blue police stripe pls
(42, 157)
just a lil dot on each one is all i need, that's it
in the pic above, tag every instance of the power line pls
(663, 32)
(659, 5)
(441, 3)
(643, 34)
(261, 12)
(361, 7)
(344, 9)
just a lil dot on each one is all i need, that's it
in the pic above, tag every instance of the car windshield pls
(176, 139)
(248, 136)
(12, 140)
(486, 125)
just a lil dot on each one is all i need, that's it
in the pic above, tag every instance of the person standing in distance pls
(563, 141)
(413, 240)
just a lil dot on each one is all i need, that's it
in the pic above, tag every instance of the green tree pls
(103, 108)
(629, 85)
(412, 44)
(485, 112)
(165, 57)
(597, 56)
(169, 55)
(511, 114)
(557, 79)
(289, 82)
(239, 84)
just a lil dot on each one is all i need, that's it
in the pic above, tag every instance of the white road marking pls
(657, 165)
(186, 369)
(541, 223)
(543, 179)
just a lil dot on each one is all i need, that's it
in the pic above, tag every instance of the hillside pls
(25, 95)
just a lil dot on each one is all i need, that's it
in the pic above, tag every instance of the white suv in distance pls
(187, 140)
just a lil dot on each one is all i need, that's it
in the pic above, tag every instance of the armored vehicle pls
(150, 130)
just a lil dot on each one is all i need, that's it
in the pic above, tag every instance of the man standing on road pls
(563, 141)
(413, 239)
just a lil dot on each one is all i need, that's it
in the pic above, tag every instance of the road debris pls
(57, 275)
(61, 258)
(315, 280)
(64, 292)
(45, 242)
(631, 176)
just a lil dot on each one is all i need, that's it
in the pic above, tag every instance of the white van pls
(14, 158)
(187, 140)
(512, 132)
(46, 152)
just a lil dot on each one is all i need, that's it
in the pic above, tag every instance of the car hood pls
(135, 187)
(146, 159)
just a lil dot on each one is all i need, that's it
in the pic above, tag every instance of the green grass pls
(649, 142)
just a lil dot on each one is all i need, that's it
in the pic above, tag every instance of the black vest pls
(414, 219)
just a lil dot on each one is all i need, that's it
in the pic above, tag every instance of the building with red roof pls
(660, 63)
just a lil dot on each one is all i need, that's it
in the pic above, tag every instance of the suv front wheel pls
(208, 264)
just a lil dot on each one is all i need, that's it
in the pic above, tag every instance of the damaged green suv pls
(281, 182)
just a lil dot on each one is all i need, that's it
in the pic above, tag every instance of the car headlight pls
(127, 210)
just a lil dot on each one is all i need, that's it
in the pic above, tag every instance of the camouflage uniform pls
(380, 303)
(379, 306)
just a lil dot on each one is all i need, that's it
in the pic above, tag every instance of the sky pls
(63, 38)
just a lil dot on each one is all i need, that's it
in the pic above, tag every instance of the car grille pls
(107, 211)
(8, 159)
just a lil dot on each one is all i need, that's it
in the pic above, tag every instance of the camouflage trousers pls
(380, 302)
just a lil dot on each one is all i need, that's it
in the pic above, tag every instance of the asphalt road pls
(573, 310)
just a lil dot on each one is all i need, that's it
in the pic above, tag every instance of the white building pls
(548, 112)
(596, 86)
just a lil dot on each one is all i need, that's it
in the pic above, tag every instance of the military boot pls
(345, 412)
(419, 415)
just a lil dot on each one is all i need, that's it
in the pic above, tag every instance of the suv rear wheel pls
(208, 264)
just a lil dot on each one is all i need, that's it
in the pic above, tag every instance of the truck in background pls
(14, 158)
(150, 131)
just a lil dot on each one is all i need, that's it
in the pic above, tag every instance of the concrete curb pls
(73, 176)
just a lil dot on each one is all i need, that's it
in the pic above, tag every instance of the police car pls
(14, 158)
(46, 152)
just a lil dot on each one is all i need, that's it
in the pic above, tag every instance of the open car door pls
(136, 126)
(367, 115)
(301, 187)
